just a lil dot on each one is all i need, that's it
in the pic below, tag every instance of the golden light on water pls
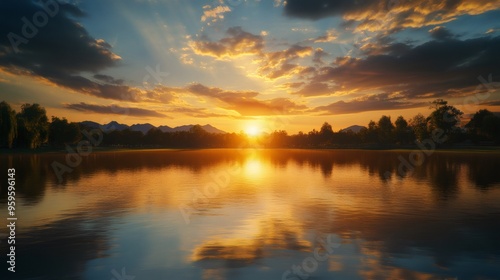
(254, 168)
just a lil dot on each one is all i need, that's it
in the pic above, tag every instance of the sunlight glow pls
(252, 131)
(253, 167)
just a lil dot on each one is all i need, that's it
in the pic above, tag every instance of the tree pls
(198, 136)
(385, 130)
(370, 135)
(402, 131)
(8, 125)
(278, 138)
(326, 133)
(154, 137)
(484, 125)
(61, 132)
(313, 138)
(444, 116)
(419, 126)
(33, 126)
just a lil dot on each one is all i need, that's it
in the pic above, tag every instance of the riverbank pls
(46, 150)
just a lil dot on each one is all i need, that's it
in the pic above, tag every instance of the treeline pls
(444, 120)
(31, 128)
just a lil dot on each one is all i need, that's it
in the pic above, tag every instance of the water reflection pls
(121, 209)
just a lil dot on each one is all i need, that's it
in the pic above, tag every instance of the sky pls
(269, 65)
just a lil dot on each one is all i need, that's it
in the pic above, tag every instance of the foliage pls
(484, 126)
(444, 116)
(61, 132)
(33, 126)
(8, 125)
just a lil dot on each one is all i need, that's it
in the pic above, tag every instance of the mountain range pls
(145, 127)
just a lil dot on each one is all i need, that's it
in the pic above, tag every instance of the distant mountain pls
(90, 124)
(182, 127)
(114, 126)
(144, 128)
(165, 128)
(210, 129)
(353, 128)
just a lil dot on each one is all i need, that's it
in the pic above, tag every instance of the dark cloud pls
(108, 79)
(42, 39)
(434, 69)
(441, 33)
(113, 109)
(491, 103)
(375, 102)
(389, 15)
(316, 9)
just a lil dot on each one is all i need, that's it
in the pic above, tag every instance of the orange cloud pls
(245, 102)
(237, 43)
(274, 65)
(214, 14)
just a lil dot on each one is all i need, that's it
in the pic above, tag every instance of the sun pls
(252, 130)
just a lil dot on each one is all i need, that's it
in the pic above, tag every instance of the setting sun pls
(252, 131)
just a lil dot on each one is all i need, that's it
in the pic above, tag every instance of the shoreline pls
(52, 150)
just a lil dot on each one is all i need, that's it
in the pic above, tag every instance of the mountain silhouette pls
(144, 128)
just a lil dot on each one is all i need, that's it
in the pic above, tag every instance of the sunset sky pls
(233, 64)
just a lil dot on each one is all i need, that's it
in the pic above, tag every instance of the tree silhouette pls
(444, 116)
(419, 126)
(385, 130)
(402, 132)
(484, 125)
(8, 125)
(33, 126)
(61, 132)
(326, 134)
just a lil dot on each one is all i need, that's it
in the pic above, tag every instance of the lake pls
(255, 214)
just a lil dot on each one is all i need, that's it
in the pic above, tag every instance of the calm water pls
(142, 214)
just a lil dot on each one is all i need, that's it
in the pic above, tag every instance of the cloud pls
(441, 33)
(113, 109)
(328, 37)
(245, 102)
(108, 79)
(274, 65)
(375, 102)
(318, 9)
(491, 103)
(237, 43)
(58, 51)
(197, 112)
(214, 14)
(162, 94)
(316, 89)
(319, 53)
(447, 67)
(389, 15)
